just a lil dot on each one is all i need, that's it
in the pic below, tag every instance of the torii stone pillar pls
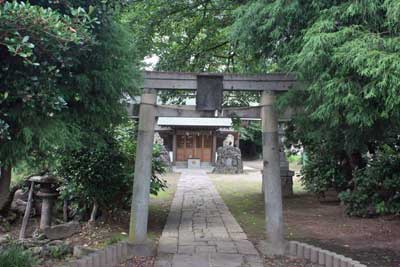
(141, 183)
(275, 244)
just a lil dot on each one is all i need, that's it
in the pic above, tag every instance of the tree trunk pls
(94, 212)
(65, 211)
(5, 181)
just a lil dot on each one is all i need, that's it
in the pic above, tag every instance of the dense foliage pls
(17, 256)
(186, 35)
(376, 187)
(65, 66)
(103, 174)
(94, 174)
(250, 138)
(190, 36)
(322, 172)
(38, 50)
(126, 136)
(348, 54)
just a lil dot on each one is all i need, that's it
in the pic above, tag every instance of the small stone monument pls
(229, 158)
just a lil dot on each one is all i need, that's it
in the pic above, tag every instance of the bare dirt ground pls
(139, 262)
(375, 242)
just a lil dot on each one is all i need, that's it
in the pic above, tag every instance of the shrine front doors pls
(194, 145)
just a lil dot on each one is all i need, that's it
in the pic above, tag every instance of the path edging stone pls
(320, 256)
(112, 255)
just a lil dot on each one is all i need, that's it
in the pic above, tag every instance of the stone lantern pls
(48, 194)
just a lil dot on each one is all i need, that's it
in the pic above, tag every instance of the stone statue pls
(164, 154)
(158, 139)
(229, 140)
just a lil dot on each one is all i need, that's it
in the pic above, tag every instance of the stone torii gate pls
(209, 99)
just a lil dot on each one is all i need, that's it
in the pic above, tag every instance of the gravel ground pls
(139, 262)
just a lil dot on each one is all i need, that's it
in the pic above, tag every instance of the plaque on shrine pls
(209, 92)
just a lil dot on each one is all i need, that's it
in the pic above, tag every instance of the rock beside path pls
(62, 231)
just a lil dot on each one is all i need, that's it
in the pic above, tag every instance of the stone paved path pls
(201, 231)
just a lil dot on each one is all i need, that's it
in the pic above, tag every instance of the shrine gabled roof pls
(205, 122)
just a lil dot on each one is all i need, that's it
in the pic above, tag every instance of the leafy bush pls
(60, 251)
(377, 186)
(94, 174)
(39, 48)
(322, 172)
(158, 168)
(16, 256)
(126, 136)
(103, 173)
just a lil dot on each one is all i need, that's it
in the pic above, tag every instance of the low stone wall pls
(111, 256)
(321, 256)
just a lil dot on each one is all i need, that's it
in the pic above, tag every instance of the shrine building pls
(195, 138)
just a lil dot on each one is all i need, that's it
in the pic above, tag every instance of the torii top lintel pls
(231, 82)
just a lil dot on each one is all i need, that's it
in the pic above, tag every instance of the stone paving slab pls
(200, 230)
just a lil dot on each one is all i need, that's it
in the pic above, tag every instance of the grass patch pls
(308, 220)
(298, 187)
(160, 205)
(16, 256)
(242, 194)
(245, 200)
(114, 239)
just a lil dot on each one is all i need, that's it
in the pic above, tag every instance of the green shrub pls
(104, 172)
(114, 239)
(94, 173)
(126, 136)
(322, 172)
(59, 252)
(377, 186)
(16, 256)
(158, 168)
